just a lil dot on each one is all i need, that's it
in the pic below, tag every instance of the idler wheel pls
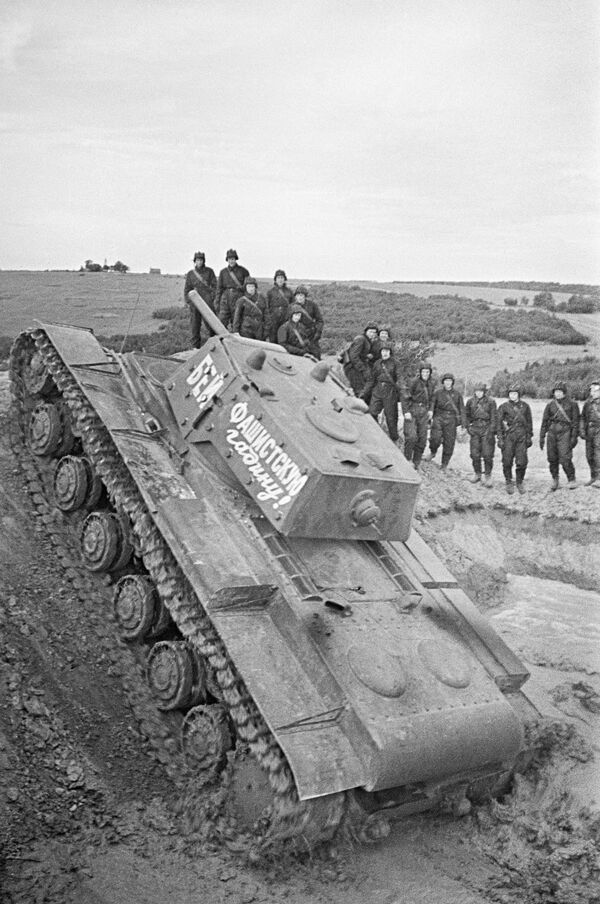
(45, 429)
(36, 377)
(175, 675)
(104, 545)
(138, 608)
(206, 738)
(75, 484)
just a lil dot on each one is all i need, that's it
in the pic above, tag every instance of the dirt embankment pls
(87, 813)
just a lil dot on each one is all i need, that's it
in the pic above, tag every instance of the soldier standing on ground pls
(589, 430)
(251, 319)
(203, 280)
(560, 429)
(279, 299)
(514, 427)
(385, 389)
(292, 334)
(358, 359)
(230, 286)
(448, 413)
(480, 412)
(311, 318)
(418, 414)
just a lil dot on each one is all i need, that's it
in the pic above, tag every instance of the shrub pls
(510, 302)
(581, 304)
(544, 300)
(538, 377)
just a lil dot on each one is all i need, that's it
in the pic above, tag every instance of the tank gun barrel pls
(208, 315)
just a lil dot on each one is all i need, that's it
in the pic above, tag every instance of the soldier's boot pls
(475, 478)
(427, 456)
(591, 481)
(487, 481)
(510, 487)
(520, 487)
(572, 484)
(554, 484)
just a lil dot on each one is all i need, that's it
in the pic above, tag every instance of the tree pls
(92, 267)
(524, 300)
(544, 300)
(120, 267)
(510, 302)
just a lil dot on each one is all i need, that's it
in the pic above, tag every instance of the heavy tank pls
(253, 525)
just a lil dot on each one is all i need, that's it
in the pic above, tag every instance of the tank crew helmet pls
(199, 256)
(515, 387)
(371, 325)
(424, 365)
(560, 384)
(279, 273)
(301, 290)
(231, 255)
(385, 328)
(296, 309)
(480, 386)
(448, 377)
(250, 281)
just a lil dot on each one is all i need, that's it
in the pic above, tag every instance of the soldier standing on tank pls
(230, 286)
(251, 318)
(293, 335)
(480, 412)
(279, 299)
(560, 429)
(589, 430)
(418, 414)
(384, 334)
(359, 357)
(385, 389)
(448, 413)
(203, 280)
(514, 428)
(311, 318)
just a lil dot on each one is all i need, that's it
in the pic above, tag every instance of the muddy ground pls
(88, 816)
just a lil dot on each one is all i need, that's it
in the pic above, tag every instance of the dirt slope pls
(88, 815)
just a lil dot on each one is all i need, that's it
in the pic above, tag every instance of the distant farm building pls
(155, 271)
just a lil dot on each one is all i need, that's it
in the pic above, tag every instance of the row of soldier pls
(374, 376)
(291, 319)
(294, 321)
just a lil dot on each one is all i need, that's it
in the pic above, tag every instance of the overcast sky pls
(401, 139)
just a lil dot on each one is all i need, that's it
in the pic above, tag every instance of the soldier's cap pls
(385, 328)
(482, 386)
(301, 290)
(232, 253)
(250, 281)
(296, 309)
(199, 255)
(279, 273)
(425, 365)
(387, 344)
(371, 325)
(560, 384)
(515, 387)
(447, 377)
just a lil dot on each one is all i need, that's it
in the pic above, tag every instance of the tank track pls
(307, 822)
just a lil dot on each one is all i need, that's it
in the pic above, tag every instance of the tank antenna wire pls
(126, 336)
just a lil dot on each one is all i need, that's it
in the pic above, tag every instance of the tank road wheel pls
(45, 429)
(176, 675)
(75, 484)
(104, 544)
(138, 609)
(206, 738)
(36, 377)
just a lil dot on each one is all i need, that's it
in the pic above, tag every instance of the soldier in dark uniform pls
(230, 286)
(358, 359)
(251, 318)
(418, 414)
(279, 299)
(311, 318)
(514, 428)
(560, 429)
(385, 389)
(384, 334)
(203, 280)
(589, 430)
(480, 412)
(293, 334)
(448, 413)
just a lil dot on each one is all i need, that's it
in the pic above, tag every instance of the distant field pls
(105, 302)
(491, 295)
